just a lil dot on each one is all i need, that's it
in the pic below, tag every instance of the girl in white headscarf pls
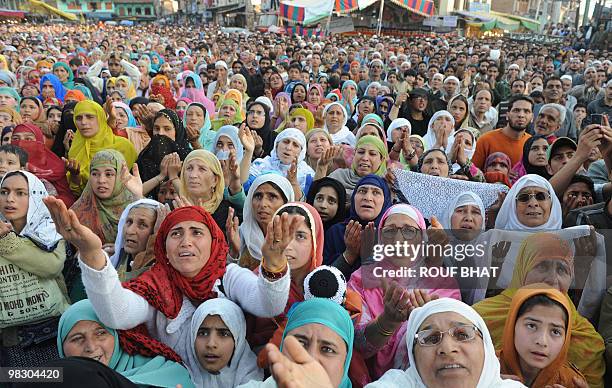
(440, 130)
(337, 129)
(289, 146)
(426, 358)
(241, 366)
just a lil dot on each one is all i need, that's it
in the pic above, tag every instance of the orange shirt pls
(496, 141)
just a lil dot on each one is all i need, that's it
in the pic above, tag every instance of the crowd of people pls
(183, 206)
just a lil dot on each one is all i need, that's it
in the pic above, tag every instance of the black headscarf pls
(293, 91)
(66, 123)
(316, 186)
(265, 132)
(181, 135)
(530, 168)
(138, 100)
(96, 96)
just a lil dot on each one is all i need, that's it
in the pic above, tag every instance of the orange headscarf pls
(560, 371)
(74, 94)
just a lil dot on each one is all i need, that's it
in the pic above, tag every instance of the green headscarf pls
(330, 314)
(70, 83)
(6, 91)
(146, 371)
(373, 117)
(219, 122)
(380, 147)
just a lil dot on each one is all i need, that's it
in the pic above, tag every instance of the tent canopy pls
(498, 20)
(38, 6)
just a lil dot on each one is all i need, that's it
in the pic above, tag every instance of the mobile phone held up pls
(597, 119)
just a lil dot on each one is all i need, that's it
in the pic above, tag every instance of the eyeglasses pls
(462, 333)
(408, 232)
(256, 113)
(539, 196)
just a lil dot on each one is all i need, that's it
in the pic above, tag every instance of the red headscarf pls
(163, 286)
(169, 101)
(43, 163)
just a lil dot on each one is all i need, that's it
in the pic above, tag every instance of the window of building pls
(148, 11)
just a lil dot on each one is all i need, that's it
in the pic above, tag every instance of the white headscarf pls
(242, 367)
(430, 136)
(490, 375)
(507, 218)
(343, 136)
(469, 152)
(141, 203)
(273, 163)
(463, 199)
(39, 226)
(399, 122)
(251, 235)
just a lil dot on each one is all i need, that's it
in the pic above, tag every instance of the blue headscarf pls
(331, 315)
(231, 132)
(60, 90)
(371, 180)
(197, 81)
(8, 91)
(131, 120)
(155, 67)
(207, 135)
(140, 370)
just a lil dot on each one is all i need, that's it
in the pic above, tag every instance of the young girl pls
(534, 160)
(328, 197)
(221, 356)
(537, 337)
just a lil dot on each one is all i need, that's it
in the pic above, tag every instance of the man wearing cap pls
(219, 86)
(342, 62)
(570, 101)
(559, 154)
(375, 75)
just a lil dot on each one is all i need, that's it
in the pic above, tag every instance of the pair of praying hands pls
(251, 141)
(332, 154)
(402, 144)
(400, 302)
(359, 241)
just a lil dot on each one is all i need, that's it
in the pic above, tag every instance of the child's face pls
(539, 335)
(214, 344)
(8, 162)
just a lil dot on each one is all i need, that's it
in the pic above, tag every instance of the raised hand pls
(329, 156)
(109, 108)
(352, 240)
(258, 142)
(67, 141)
(132, 182)
(174, 165)
(246, 138)
(292, 174)
(297, 369)
(280, 232)
(418, 298)
(5, 228)
(162, 213)
(72, 166)
(68, 225)
(396, 301)
(368, 239)
(233, 236)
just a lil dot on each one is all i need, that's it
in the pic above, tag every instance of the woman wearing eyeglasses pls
(382, 325)
(448, 345)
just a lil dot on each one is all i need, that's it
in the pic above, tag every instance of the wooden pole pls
(380, 16)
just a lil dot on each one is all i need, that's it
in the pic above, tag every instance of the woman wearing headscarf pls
(298, 91)
(370, 158)
(383, 106)
(126, 86)
(496, 168)
(94, 134)
(365, 106)
(318, 141)
(267, 193)
(11, 98)
(229, 114)
(202, 182)
(236, 96)
(460, 150)
(32, 110)
(369, 201)
(210, 324)
(306, 253)
(163, 95)
(440, 130)
(33, 253)
(586, 348)
(289, 149)
(238, 82)
(531, 205)
(536, 339)
(386, 351)
(314, 98)
(136, 232)
(534, 159)
(198, 126)
(458, 107)
(42, 162)
(328, 197)
(66, 124)
(472, 349)
(74, 95)
(335, 118)
(62, 71)
(126, 122)
(51, 86)
(349, 96)
(155, 309)
(105, 196)
(299, 118)
(80, 323)
(310, 317)
(149, 164)
(194, 90)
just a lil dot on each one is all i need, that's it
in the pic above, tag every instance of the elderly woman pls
(538, 254)
(155, 309)
(82, 334)
(433, 332)
(335, 118)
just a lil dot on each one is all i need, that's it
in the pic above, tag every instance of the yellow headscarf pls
(212, 162)
(131, 91)
(236, 96)
(3, 63)
(587, 348)
(83, 149)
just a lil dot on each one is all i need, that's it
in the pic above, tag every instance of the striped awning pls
(421, 7)
(291, 13)
(345, 6)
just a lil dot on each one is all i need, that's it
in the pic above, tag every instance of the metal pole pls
(585, 17)
(327, 31)
(382, 7)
